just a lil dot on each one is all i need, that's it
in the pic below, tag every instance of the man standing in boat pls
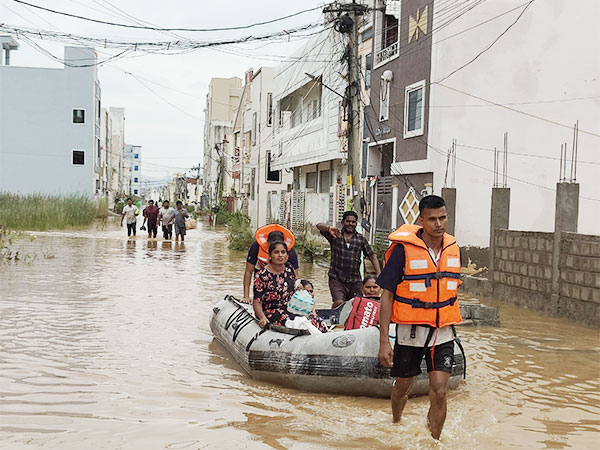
(258, 253)
(420, 281)
(347, 249)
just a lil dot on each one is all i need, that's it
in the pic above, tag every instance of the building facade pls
(221, 101)
(133, 156)
(309, 130)
(442, 102)
(50, 126)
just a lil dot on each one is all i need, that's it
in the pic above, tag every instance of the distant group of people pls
(418, 289)
(170, 218)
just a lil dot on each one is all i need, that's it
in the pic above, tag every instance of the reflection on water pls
(107, 345)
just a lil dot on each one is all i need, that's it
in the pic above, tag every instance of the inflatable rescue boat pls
(337, 362)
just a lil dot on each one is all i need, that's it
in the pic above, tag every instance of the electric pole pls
(348, 22)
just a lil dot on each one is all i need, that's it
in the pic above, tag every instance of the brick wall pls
(525, 266)
(579, 265)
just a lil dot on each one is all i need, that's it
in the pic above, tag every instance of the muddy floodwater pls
(105, 344)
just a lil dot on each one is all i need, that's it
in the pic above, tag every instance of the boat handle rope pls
(241, 325)
(256, 336)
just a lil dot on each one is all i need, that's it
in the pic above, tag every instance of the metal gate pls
(384, 204)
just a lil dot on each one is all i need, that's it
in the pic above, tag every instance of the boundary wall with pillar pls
(561, 277)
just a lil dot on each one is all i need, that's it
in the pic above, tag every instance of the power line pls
(490, 45)
(152, 28)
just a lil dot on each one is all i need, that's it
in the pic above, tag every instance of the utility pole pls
(348, 22)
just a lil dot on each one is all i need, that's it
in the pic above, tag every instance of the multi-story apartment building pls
(309, 131)
(461, 75)
(221, 101)
(50, 125)
(263, 188)
(133, 156)
(117, 177)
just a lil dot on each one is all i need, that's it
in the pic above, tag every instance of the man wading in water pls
(347, 249)
(420, 281)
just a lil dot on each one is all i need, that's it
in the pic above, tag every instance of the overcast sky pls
(171, 140)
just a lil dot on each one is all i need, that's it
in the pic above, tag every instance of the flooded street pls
(105, 343)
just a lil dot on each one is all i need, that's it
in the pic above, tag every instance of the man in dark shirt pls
(151, 215)
(252, 262)
(347, 248)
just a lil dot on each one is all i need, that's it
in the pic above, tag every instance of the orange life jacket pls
(427, 295)
(262, 235)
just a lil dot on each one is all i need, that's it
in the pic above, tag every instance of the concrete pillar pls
(449, 196)
(566, 216)
(567, 207)
(394, 216)
(499, 218)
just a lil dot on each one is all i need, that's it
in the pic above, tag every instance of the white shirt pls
(129, 212)
(167, 215)
(443, 335)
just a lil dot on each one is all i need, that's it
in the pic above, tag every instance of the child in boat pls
(273, 289)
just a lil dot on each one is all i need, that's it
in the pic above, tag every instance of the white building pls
(264, 189)
(309, 130)
(437, 79)
(50, 125)
(222, 99)
(117, 178)
(133, 155)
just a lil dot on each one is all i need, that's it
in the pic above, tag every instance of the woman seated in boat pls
(273, 289)
(370, 289)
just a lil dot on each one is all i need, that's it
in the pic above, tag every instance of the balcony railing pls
(386, 54)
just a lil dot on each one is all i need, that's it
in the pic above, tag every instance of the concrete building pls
(437, 79)
(309, 129)
(221, 101)
(50, 125)
(263, 189)
(133, 156)
(117, 182)
(106, 154)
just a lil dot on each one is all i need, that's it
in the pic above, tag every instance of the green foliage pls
(119, 206)
(190, 208)
(43, 212)
(380, 246)
(309, 247)
(241, 235)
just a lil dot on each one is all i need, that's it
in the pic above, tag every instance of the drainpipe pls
(394, 206)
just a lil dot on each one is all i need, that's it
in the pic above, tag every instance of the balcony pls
(383, 56)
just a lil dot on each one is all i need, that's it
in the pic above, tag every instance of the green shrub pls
(119, 206)
(309, 247)
(43, 212)
(241, 236)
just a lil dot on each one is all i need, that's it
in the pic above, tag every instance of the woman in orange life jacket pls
(419, 281)
(258, 253)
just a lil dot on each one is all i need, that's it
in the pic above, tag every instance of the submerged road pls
(105, 344)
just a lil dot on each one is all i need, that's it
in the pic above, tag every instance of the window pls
(269, 109)
(390, 30)
(135, 191)
(384, 99)
(136, 167)
(273, 176)
(316, 108)
(78, 157)
(311, 181)
(136, 179)
(136, 156)
(254, 122)
(324, 181)
(296, 117)
(368, 68)
(79, 116)
(414, 108)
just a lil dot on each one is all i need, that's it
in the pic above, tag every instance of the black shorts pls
(407, 359)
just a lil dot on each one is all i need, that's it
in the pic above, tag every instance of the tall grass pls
(42, 212)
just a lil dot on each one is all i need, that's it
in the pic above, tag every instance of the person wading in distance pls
(347, 248)
(420, 281)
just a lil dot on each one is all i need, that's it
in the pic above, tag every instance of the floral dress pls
(273, 291)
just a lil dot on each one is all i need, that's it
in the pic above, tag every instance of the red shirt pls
(151, 212)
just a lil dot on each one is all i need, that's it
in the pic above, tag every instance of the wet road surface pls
(105, 344)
